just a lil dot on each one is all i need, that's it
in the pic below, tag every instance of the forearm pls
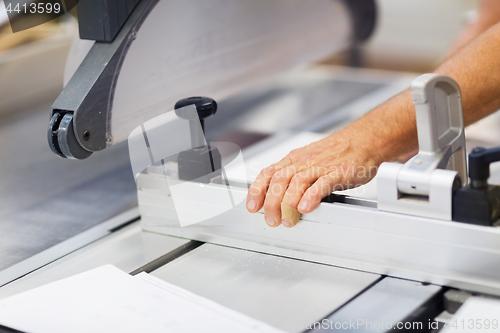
(476, 68)
(390, 129)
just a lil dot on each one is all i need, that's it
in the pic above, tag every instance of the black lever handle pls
(203, 162)
(479, 165)
(205, 106)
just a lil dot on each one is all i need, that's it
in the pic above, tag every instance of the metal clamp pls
(424, 185)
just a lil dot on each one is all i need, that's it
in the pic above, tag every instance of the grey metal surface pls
(382, 308)
(44, 199)
(72, 244)
(127, 249)
(288, 105)
(286, 293)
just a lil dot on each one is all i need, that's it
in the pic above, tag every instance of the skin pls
(350, 157)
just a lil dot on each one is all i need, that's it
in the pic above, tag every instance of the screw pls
(86, 135)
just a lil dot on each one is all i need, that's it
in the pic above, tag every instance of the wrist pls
(387, 132)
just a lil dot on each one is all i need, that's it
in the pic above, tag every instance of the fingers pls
(321, 188)
(299, 183)
(292, 187)
(290, 216)
(297, 186)
(276, 191)
(257, 192)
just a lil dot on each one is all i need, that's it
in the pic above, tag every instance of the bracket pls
(424, 185)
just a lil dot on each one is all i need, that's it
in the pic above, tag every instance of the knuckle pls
(294, 152)
(329, 177)
(264, 172)
(283, 174)
(315, 197)
(269, 171)
(279, 175)
(269, 207)
(325, 179)
(293, 195)
(311, 173)
(298, 179)
(276, 189)
(302, 167)
(255, 190)
(315, 192)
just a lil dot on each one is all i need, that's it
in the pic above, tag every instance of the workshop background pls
(46, 200)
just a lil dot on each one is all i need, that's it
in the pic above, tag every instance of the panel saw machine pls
(426, 222)
(410, 246)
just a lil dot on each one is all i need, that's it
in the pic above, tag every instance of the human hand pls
(306, 175)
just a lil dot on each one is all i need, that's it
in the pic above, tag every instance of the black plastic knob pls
(205, 106)
(479, 164)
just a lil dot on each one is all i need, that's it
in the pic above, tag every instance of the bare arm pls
(348, 158)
